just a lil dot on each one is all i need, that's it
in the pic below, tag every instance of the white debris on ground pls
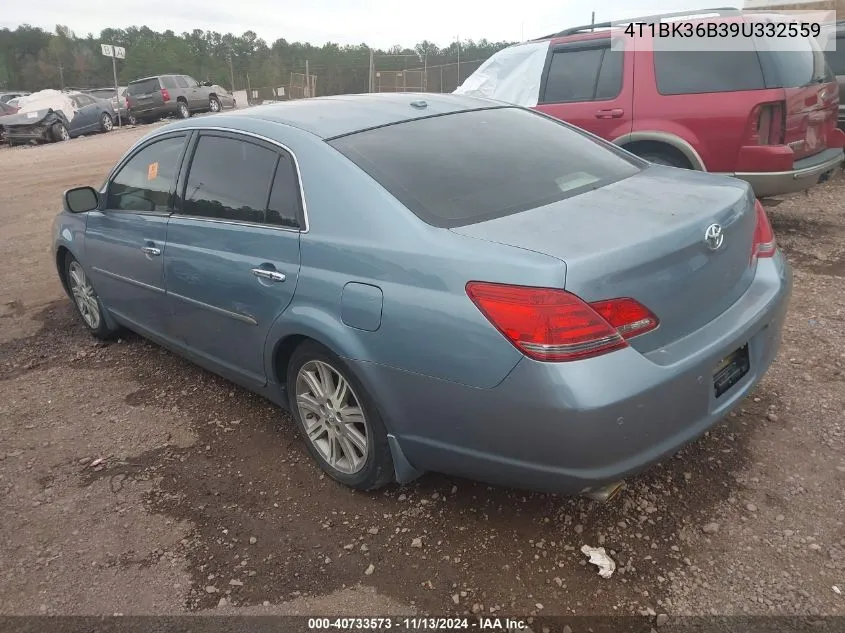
(598, 557)
(46, 99)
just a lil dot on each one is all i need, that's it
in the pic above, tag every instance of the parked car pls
(118, 101)
(52, 115)
(152, 98)
(227, 99)
(836, 60)
(766, 116)
(4, 110)
(437, 283)
(6, 96)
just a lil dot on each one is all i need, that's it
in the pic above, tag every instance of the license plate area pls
(731, 370)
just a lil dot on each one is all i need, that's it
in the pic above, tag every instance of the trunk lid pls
(644, 238)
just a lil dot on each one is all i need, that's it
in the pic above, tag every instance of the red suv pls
(765, 115)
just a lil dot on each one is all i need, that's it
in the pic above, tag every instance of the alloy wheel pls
(332, 416)
(84, 295)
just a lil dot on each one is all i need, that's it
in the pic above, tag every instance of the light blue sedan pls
(437, 283)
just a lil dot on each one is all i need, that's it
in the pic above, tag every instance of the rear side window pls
(285, 205)
(802, 64)
(143, 87)
(229, 179)
(180, 81)
(687, 67)
(144, 183)
(584, 74)
(469, 167)
(836, 58)
(169, 83)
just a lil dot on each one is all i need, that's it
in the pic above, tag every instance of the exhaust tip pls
(606, 493)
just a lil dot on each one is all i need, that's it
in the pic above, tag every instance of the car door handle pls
(614, 113)
(152, 251)
(272, 275)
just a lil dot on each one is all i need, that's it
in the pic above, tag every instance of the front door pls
(232, 259)
(590, 84)
(125, 241)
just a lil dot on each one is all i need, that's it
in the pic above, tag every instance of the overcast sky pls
(380, 23)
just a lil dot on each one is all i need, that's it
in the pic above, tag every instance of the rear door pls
(589, 83)
(144, 95)
(232, 260)
(87, 116)
(125, 240)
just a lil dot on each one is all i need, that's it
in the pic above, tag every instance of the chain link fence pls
(440, 78)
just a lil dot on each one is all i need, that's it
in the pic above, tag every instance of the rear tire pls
(106, 123)
(214, 105)
(182, 110)
(58, 132)
(339, 426)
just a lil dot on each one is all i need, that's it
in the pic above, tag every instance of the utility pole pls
(372, 86)
(307, 92)
(61, 77)
(232, 72)
(459, 61)
(593, 20)
(425, 71)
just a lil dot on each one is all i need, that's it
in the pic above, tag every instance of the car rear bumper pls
(572, 427)
(159, 110)
(805, 173)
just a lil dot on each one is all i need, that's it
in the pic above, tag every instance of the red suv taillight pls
(549, 324)
(127, 103)
(165, 95)
(768, 124)
(764, 238)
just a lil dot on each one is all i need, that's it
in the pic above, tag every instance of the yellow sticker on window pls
(152, 171)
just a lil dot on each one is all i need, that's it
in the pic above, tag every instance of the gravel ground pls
(133, 482)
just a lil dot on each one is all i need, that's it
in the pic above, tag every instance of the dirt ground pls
(133, 482)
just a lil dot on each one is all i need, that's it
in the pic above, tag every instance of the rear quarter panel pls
(715, 124)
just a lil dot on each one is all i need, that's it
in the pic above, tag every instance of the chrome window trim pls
(260, 137)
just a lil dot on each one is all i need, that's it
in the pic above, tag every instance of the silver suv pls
(152, 98)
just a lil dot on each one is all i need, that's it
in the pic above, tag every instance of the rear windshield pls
(796, 62)
(143, 87)
(469, 167)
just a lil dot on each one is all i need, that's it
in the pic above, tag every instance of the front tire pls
(58, 132)
(182, 110)
(337, 419)
(85, 298)
(106, 123)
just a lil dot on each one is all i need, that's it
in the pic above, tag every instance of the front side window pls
(468, 167)
(181, 82)
(145, 183)
(229, 179)
(192, 83)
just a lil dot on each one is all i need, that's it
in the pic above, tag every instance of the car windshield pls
(469, 167)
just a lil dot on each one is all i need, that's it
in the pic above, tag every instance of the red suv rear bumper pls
(804, 174)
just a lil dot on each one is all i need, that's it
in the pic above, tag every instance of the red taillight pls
(127, 103)
(768, 124)
(548, 324)
(764, 237)
(165, 95)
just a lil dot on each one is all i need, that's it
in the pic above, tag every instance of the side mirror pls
(81, 199)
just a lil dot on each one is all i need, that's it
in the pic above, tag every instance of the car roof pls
(329, 117)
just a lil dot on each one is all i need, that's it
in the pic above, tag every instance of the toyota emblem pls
(714, 237)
